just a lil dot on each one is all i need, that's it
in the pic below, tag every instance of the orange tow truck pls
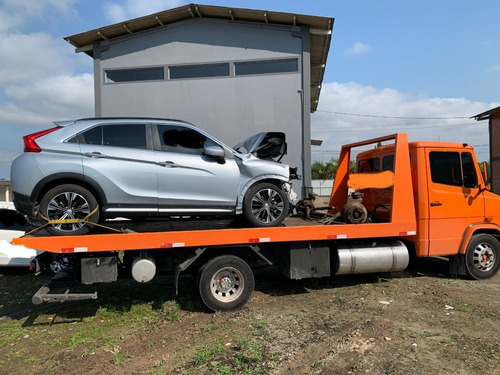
(426, 198)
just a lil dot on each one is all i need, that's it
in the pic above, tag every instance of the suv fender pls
(272, 178)
(63, 178)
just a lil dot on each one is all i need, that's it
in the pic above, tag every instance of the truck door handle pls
(168, 164)
(435, 204)
(95, 155)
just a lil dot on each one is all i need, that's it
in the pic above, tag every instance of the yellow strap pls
(70, 221)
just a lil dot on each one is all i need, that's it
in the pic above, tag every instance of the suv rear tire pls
(69, 201)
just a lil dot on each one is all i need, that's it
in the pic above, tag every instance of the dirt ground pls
(418, 321)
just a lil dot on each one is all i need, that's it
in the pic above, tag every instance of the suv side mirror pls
(216, 152)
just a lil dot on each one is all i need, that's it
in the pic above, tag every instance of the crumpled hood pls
(265, 145)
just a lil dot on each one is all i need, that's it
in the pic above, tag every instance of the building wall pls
(495, 152)
(231, 108)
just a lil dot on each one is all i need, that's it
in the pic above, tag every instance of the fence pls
(322, 187)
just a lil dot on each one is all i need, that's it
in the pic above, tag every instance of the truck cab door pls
(455, 200)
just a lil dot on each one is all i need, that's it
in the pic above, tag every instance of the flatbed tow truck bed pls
(294, 229)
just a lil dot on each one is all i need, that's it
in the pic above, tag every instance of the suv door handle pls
(168, 164)
(435, 204)
(95, 155)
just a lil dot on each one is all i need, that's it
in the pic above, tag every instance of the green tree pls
(324, 170)
(327, 170)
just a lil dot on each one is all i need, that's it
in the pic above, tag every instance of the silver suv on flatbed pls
(94, 169)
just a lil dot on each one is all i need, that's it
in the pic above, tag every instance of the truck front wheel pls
(225, 283)
(482, 258)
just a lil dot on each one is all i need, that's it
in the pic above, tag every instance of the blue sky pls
(400, 61)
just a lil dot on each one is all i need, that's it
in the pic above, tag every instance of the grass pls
(146, 326)
(316, 366)
(83, 328)
(221, 356)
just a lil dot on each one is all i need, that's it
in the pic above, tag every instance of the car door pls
(120, 158)
(189, 181)
(455, 200)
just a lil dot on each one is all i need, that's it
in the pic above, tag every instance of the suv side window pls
(130, 136)
(182, 140)
(93, 136)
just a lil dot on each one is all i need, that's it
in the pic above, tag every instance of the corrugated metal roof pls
(320, 35)
(486, 115)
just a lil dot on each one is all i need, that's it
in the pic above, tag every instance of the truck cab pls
(453, 203)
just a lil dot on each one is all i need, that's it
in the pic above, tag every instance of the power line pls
(393, 117)
(395, 127)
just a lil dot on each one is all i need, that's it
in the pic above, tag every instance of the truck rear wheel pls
(225, 283)
(482, 258)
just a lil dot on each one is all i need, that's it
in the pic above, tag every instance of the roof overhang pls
(486, 115)
(320, 32)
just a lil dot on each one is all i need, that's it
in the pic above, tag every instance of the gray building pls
(493, 117)
(232, 72)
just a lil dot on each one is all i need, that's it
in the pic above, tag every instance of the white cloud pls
(32, 56)
(14, 13)
(30, 7)
(358, 48)
(352, 102)
(9, 21)
(35, 106)
(133, 8)
(493, 68)
(46, 100)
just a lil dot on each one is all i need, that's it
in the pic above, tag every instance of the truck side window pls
(369, 165)
(388, 163)
(446, 168)
(470, 177)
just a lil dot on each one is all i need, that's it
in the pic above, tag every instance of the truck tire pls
(69, 202)
(265, 205)
(225, 283)
(482, 258)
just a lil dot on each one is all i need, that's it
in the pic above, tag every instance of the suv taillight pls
(29, 140)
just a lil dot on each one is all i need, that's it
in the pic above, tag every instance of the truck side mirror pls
(486, 177)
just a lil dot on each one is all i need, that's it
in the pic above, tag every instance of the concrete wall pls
(231, 108)
(5, 191)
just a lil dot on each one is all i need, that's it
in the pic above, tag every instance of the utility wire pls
(394, 117)
(394, 127)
